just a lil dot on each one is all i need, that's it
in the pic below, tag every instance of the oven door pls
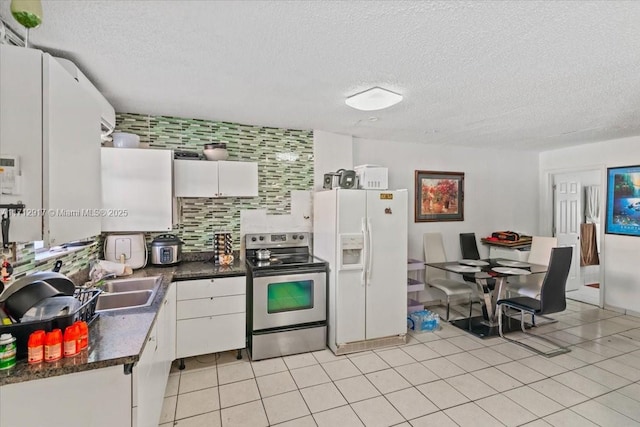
(288, 298)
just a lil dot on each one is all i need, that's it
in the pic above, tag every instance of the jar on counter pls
(7, 351)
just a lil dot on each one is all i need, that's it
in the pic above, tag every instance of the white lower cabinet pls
(195, 317)
(151, 373)
(97, 398)
(211, 316)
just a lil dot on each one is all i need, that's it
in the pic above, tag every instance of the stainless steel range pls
(286, 295)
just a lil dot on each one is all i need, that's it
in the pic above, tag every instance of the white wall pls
(621, 280)
(501, 188)
(331, 151)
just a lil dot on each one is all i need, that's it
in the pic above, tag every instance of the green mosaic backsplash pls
(285, 163)
(72, 263)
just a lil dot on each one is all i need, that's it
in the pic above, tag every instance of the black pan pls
(48, 283)
(57, 280)
(18, 301)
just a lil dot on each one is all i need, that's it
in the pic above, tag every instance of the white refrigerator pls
(363, 236)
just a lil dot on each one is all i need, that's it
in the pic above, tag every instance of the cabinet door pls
(195, 178)
(150, 379)
(71, 157)
(237, 179)
(207, 288)
(21, 135)
(136, 187)
(97, 398)
(210, 334)
(168, 338)
(202, 307)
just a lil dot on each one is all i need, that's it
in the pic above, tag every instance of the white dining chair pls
(436, 278)
(540, 253)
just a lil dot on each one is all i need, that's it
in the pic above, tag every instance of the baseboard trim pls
(373, 344)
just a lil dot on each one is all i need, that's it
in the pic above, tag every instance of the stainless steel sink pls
(136, 284)
(124, 300)
(120, 294)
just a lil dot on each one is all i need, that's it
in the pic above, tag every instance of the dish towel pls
(588, 245)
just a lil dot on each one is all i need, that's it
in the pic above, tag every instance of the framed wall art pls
(623, 201)
(439, 196)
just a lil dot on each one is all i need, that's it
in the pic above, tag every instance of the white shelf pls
(413, 305)
(415, 264)
(414, 285)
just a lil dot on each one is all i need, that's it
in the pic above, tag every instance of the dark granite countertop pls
(118, 337)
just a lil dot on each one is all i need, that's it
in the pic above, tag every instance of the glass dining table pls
(499, 270)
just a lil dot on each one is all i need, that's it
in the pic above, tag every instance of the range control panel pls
(277, 240)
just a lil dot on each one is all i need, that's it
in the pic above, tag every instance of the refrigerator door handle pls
(363, 278)
(369, 250)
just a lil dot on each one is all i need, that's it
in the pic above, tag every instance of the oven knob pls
(253, 239)
(301, 237)
(294, 237)
(261, 238)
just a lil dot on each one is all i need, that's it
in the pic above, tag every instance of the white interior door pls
(568, 216)
(387, 265)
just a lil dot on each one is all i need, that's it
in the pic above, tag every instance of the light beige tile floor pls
(446, 378)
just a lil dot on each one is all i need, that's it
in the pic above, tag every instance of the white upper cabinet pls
(21, 136)
(195, 178)
(51, 126)
(71, 157)
(237, 179)
(136, 189)
(200, 178)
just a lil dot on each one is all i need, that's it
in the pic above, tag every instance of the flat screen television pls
(623, 201)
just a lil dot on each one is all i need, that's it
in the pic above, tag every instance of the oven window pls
(289, 296)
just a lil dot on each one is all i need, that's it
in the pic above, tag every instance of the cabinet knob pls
(213, 280)
(211, 298)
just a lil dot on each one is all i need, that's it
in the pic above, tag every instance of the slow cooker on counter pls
(166, 249)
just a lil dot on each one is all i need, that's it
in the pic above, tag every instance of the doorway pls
(577, 200)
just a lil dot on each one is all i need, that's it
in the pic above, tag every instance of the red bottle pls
(71, 338)
(53, 346)
(84, 334)
(35, 347)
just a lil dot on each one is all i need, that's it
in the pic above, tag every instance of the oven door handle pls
(287, 272)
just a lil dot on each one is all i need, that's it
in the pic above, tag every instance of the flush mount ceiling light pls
(372, 99)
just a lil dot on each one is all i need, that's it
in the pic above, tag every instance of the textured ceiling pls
(505, 74)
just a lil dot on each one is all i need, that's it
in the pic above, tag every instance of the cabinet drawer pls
(203, 307)
(210, 334)
(207, 288)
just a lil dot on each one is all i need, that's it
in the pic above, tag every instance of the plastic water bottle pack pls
(423, 320)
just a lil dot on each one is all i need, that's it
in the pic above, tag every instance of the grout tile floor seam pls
(625, 347)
